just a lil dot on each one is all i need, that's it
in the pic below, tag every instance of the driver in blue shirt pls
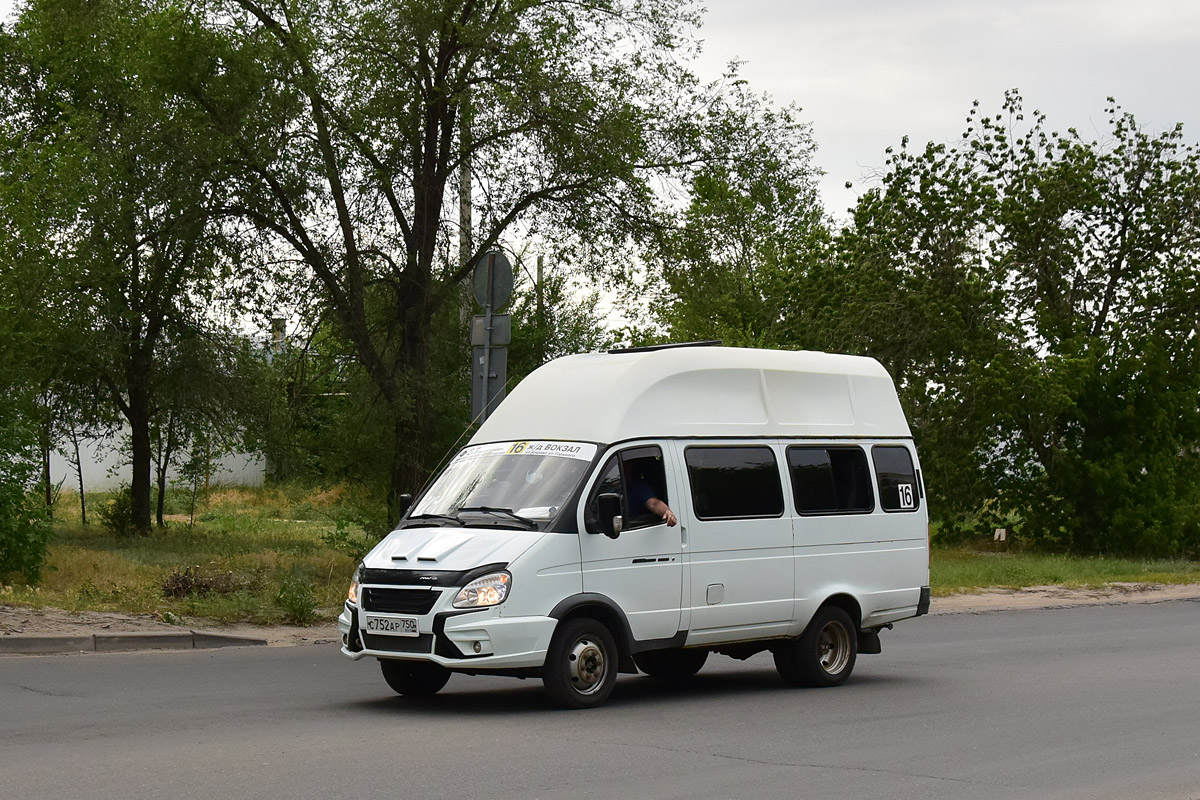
(642, 495)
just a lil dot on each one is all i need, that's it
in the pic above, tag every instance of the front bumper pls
(464, 640)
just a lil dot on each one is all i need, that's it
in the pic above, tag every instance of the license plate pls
(391, 626)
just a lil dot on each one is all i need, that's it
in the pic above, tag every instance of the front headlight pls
(352, 595)
(490, 590)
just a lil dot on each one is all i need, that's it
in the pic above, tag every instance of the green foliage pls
(117, 514)
(558, 317)
(25, 531)
(1035, 295)
(296, 599)
(349, 128)
(735, 263)
(961, 570)
(112, 193)
(344, 540)
(251, 556)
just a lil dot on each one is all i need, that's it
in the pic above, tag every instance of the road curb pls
(123, 642)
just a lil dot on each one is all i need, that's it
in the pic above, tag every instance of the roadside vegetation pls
(283, 555)
(265, 555)
(176, 174)
(959, 570)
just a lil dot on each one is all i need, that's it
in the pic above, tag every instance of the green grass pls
(283, 554)
(252, 555)
(962, 571)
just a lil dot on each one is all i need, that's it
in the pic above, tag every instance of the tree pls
(351, 125)
(113, 210)
(552, 316)
(1037, 296)
(204, 399)
(751, 231)
(24, 526)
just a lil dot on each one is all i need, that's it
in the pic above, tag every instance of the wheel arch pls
(604, 610)
(846, 602)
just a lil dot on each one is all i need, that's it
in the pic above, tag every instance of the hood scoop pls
(436, 548)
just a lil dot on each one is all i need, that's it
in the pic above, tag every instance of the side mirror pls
(608, 505)
(403, 504)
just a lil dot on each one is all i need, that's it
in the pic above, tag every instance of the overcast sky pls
(867, 72)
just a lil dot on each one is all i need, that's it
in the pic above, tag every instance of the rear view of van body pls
(542, 549)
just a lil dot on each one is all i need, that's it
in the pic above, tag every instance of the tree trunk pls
(161, 470)
(46, 444)
(162, 465)
(79, 475)
(139, 487)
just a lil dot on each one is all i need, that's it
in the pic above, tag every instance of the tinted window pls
(898, 489)
(830, 480)
(734, 482)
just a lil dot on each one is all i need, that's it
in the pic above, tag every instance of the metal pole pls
(487, 337)
(465, 232)
(541, 315)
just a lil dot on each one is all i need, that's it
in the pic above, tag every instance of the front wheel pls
(824, 655)
(414, 678)
(581, 664)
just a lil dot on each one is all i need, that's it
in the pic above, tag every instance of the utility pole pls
(541, 313)
(465, 225)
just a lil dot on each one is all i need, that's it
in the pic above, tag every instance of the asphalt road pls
(1095, 702)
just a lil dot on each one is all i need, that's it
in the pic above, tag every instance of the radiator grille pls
(398, 601)
(399, 644)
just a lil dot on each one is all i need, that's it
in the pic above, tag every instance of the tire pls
(824, 655)
(671, 664)
(581, 664)
(414, 678)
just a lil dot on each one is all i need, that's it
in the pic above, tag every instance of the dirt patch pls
(1059, 596)
(16, 621)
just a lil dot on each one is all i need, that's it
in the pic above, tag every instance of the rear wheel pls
(824, 655)
(414, 678)
(581, 664)
(671, 664)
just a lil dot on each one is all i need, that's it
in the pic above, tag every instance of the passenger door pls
(642, 569)
(738, 540)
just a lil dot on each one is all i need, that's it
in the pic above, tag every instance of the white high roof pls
(699, 392)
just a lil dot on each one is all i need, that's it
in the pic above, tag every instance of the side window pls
(898, 488)
(637, 475)
(830, 480)
(729, 482)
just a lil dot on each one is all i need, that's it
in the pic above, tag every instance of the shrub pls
(342, 540)
(24, 532)
(117, 514)
(295, 599)
(24, 527)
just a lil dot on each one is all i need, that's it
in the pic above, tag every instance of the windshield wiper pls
(508, 512)
(446, 517)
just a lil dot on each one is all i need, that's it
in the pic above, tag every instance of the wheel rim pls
(586, 666)
(833, 648)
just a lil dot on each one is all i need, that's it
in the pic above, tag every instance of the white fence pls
(105, 469)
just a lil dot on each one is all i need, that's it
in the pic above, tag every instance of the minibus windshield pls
(508, 484)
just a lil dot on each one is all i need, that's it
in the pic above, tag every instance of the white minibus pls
(640, 510)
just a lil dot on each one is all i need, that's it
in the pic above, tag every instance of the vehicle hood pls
(449, 548)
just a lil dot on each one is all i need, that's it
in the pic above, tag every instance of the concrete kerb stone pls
(45, 644)
(209, 639)
(114, 642)
(123, 642)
